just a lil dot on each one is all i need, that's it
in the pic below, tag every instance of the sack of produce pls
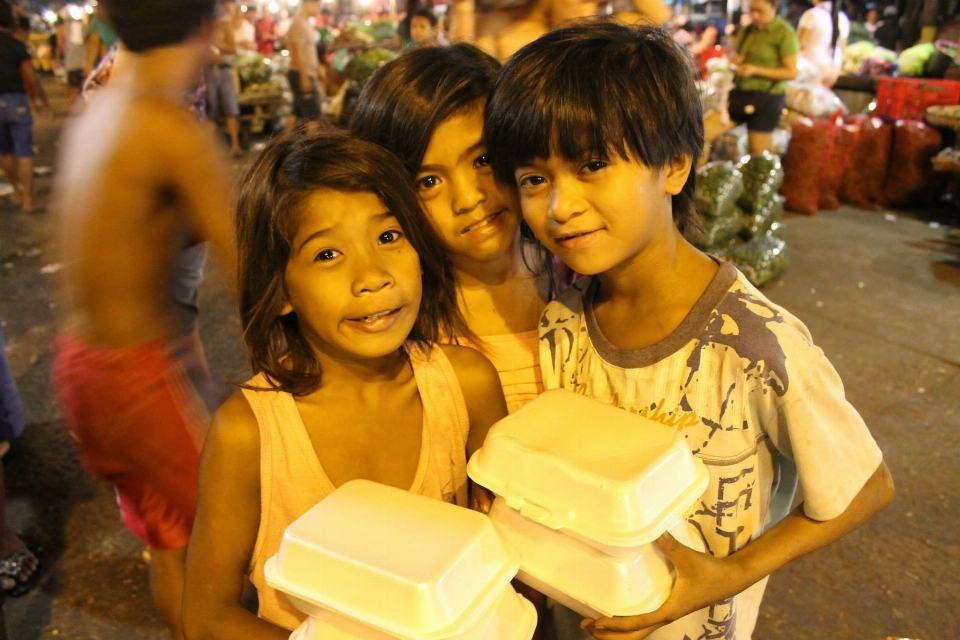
(813, 100)
(912, 179)
(731, 146)
(762, 217)
(719, 185)
(811, 146)
(761, 260)
(762, 177)
(866, 172)
(843, 146)
(717, 230)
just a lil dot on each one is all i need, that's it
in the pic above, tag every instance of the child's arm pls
(483, 395)
(225, 530)
(703, 580)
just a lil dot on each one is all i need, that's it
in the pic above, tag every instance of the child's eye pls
(428, 182)
(531, 181)
(594, 166)
(482, 161)
(326, 254)
(388, 237)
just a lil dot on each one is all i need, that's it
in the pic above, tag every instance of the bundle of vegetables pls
(762, 217)
(362, 66)
(879, 62)
(762, 177)
(853, 56)
(913, 61)
(731, 146)
(717, 230)
(761, 260)
(379, 31)
(253, 69)
(719, 185)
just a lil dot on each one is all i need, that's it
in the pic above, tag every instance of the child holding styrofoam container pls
(344, 291)
(599, 126)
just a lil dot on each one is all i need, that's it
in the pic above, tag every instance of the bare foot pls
(17, 196)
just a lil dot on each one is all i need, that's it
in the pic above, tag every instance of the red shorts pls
(139, 423)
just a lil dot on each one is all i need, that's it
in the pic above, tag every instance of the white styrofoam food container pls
(580, 577)
(407, 565)
(511, 618)
(607, 476)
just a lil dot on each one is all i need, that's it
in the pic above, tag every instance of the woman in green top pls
(766, 58)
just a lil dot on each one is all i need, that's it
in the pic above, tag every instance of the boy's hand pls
(701, 580)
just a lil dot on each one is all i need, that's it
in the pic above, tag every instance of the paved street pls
(880, 294)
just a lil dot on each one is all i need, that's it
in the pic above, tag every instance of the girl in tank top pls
(343, 293)
(427, 107)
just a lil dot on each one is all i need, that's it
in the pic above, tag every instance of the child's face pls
(353, 278)
(421, 31)
(599, 215)
(476, 218)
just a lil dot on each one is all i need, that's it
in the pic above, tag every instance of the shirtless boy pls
(139, 183)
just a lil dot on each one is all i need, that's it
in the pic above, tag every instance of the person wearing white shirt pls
(816, 36)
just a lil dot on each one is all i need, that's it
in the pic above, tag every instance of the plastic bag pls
(843, 146)
(719, 185)
(762, 177)
(911, 179)
(717, 230)
(762, 218)
(810, 149)
(780, 141)
(812, 100)
(761, 259)
(866, 172)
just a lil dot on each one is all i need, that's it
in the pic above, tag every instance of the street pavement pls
(880, 292)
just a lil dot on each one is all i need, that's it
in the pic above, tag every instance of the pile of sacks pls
(740, 212)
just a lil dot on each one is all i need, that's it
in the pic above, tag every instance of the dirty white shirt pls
(741, 379)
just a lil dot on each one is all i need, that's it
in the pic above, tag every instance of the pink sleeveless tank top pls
(292, 479)
(517, 359)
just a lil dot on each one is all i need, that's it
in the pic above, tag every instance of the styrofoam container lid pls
(603, 473)
(511, 618)
(590, 582)
(405, 564)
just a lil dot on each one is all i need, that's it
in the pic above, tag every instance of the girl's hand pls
(701, 580)
(481, 499)
(747, 70)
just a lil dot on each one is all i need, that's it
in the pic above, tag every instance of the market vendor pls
(765, 59)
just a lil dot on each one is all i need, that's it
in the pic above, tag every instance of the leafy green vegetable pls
(362, 67)
(912, 61)
(762, 177)
(719, 184)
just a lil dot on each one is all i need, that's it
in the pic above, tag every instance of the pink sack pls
(806, 162)
(867, 171)
(911, 179)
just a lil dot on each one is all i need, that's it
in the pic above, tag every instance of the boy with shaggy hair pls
(139, 184)
(599, 125)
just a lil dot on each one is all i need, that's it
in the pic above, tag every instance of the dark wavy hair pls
(284, 175)
(406, 99)
(149, 24)
(598, 87)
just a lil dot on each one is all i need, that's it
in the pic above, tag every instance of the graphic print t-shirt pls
(741, 379)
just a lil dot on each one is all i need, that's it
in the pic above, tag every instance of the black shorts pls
(759, 110)
(306, 106)
(75, 78)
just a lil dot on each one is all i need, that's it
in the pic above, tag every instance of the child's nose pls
(564, 202)
(371, 277)
(467, 195)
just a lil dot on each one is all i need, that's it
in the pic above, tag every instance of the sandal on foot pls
(12, 567)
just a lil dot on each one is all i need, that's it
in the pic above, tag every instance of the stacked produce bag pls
(740, 211)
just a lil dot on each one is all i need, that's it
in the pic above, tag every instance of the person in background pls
(304, 72)
(74, 53)
(871, 20)
(423, 28)
(221, 87)
(889, 34)
(266, 30)
(38, 97)
(244, 33)
(16, 118)
(657, 327)
(765, 59)
(815, 31)
(139, 184)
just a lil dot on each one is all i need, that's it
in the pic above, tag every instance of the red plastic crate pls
(908, 98)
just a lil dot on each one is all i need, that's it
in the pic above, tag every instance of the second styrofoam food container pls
(403, 564)
(611, 478)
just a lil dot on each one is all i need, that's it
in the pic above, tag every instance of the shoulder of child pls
(234, 430)
(474, 370)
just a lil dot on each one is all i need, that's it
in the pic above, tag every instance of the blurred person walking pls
(74, 53)
(129, 373)
(817, 43)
